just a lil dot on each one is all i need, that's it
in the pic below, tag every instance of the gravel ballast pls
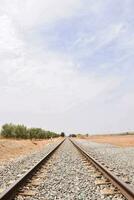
(66, 176)
(13, 170)
(120, 159)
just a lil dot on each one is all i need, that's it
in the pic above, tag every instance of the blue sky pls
(67, 65)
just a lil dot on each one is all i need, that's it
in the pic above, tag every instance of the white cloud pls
(99, 40)
(31, 13)
(40, 86)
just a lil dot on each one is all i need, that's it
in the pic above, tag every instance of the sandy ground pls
(11, 149)
(119, 140)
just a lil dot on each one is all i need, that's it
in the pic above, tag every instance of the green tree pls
(8, 130)
(62, 134)
(21, 131)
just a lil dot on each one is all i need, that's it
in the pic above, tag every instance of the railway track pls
(11, 191)
(68, 172)
(123, 187)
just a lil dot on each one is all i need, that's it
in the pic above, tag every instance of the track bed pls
(67, 174)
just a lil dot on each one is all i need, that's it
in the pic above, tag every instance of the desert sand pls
(119, 140)
(11, 148)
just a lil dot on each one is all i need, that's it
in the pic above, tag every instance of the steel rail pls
(123, 187)
(11, 191)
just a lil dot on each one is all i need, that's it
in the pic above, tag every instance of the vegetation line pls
(22, 132)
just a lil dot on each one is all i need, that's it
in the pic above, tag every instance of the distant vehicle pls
(72, 135)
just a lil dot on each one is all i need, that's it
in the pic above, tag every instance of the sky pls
(67, 65)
